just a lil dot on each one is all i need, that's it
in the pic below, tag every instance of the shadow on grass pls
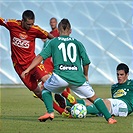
(58, 118)
(19, 118)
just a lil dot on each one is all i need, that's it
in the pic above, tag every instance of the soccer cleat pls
(35, 96)
(60, 100)
(46, 117)
(111, 121)
(66, 113)
(71, 99)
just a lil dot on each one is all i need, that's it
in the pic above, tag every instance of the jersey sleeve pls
(47, 51)
(84, 56)
(41, 33)
(4, 22)
(130, 82)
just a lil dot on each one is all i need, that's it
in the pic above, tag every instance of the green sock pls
(102, 108)
(78, 101)
(48, 100)
(91, 109)
(68, 103)
(81, 101)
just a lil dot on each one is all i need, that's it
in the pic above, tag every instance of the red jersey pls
(23, 41)
(48, 62)
(55, 33)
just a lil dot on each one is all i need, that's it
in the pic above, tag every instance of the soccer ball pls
(78, 111)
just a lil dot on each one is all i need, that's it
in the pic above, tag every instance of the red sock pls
(68, 89)
(65, 94)
(58, 108)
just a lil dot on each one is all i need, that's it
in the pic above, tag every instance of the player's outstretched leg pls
(60, 110)
(38, 92)
(98, 102)
(48, 101)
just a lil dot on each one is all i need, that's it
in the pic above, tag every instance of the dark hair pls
(28, 14)
(65, 24)
(124, 67)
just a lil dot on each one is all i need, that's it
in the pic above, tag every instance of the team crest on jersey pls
(23, 35)
(119, 93)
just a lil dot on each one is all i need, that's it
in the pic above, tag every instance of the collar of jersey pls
(64, 36)
(124, 83)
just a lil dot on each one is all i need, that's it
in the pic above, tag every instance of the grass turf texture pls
(20, 111)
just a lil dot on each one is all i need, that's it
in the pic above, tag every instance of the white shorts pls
(118, 107)
(56, 84)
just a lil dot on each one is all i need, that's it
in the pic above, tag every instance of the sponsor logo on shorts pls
(20, 43)
(67, 67)
(114, 105)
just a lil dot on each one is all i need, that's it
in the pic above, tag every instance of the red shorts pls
(32, 78)
(49, 65)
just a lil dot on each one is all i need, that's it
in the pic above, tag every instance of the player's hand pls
(24, 73)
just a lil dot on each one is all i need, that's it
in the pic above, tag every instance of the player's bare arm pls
(34, 63)
(50, 36)
(85, 69)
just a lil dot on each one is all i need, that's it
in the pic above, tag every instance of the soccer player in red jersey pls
(23, 34)
(53, 25)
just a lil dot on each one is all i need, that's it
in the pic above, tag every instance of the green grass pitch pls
(19, 112)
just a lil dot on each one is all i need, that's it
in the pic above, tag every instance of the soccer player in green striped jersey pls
(71, 65)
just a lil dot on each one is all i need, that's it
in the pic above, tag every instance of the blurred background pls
(104, 28)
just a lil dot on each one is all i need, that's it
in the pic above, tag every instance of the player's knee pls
(93, 98)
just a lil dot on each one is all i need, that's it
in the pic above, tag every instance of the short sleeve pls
(41, 33)
(47, 50)
(7, 22)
